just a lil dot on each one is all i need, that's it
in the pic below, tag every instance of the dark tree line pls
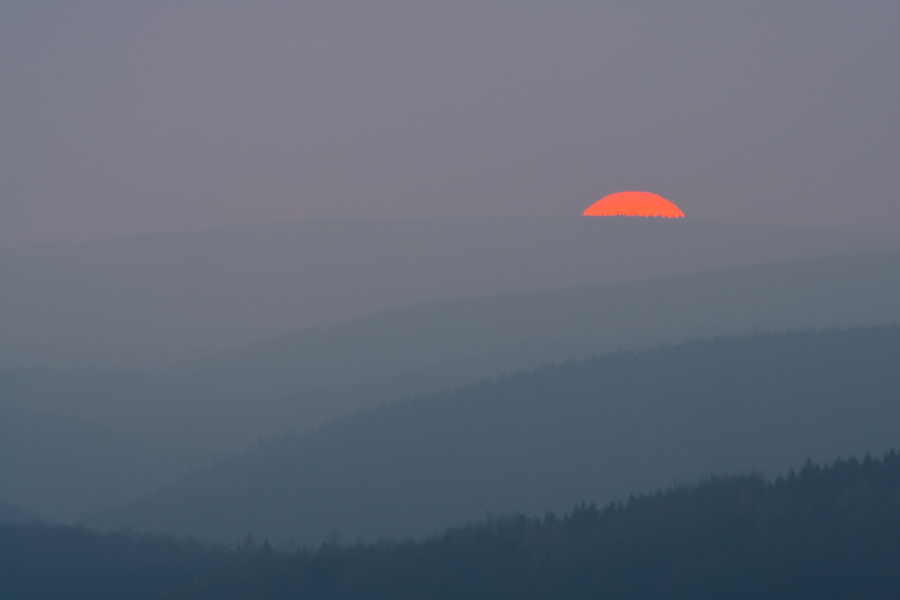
(823, 532)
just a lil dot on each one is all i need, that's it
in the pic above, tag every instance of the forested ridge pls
(823, 532)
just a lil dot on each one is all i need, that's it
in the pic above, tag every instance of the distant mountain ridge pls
(547, 439)
(152, 300)
(189, 414)
(431, 347)
(812, 292)
(176, 419)
(300, 380)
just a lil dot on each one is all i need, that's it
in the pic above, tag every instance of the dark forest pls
(823, 532)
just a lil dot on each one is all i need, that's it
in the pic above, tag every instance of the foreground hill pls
(822, 533)
(547, 439)
(154, 299)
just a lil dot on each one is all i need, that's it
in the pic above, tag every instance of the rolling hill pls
(463, 341)
(60, 467)
(160, 424)
(299, 381)
(158, 299)
(822, 532)
(548, 439)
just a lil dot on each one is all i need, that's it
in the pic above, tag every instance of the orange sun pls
(633, 204)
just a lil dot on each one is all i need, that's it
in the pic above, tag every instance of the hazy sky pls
(124, 117)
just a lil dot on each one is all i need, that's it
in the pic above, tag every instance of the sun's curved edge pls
(634, 204)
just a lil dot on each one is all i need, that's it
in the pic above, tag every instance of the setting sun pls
(633, 204)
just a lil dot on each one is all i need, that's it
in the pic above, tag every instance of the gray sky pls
(127, 117)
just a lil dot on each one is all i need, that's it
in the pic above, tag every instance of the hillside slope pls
(153, 300)
(548, 439)
(463, 341)
(301, 380)
(60, 467)
(827, 532)
(824, 532)
(179, 418)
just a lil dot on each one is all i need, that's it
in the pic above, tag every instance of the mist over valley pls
(449, 300)
(155, 300)
(130, 431)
